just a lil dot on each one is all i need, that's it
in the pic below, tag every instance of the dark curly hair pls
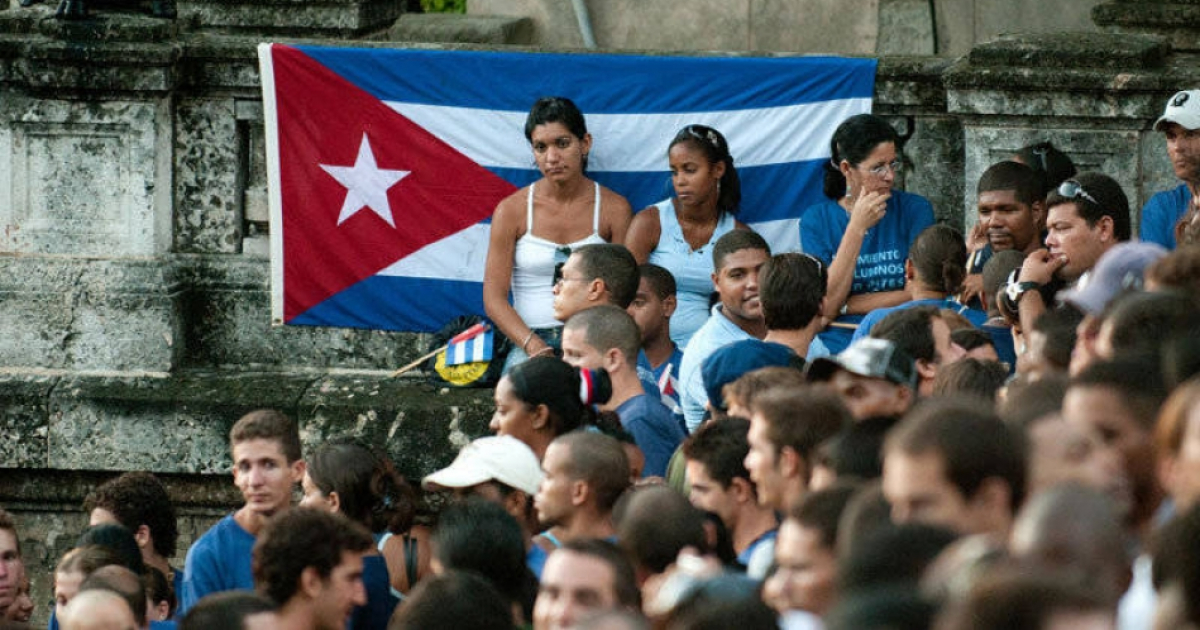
(136, 499)
(300, 538)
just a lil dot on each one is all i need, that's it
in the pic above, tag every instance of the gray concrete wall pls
(843, 26)
(809, 26)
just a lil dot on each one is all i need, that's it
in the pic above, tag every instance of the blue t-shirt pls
(880, 265)
(655, 430)
(716, 332)
(1002, 340)
(1161, 213)
(975, 316)
(218, 561)
(380, 600)
(535, 559)
(669, 387)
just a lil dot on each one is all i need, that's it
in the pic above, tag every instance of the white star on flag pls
(366, 184)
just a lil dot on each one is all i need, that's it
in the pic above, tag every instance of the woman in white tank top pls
(535, 229)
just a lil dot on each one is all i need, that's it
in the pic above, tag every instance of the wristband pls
(525, 344)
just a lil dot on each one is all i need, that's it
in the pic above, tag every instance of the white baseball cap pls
(500, 458)
(1183, 109)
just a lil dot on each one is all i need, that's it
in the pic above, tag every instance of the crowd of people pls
(902, 427)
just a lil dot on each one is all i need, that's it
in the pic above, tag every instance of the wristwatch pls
(1017, 290)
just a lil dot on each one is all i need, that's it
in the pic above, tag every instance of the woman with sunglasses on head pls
(864, 232)
(534, 229)
(678, 233)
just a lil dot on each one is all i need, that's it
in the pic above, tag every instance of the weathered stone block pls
(461, 29)
(346, 18)
(1072, 50)
(1178, 20)
(83, 178)
(420, 427)
(24, 419)
(1113, 152)
(228, 323)
(208, 217)
(935, 149)
(81, 314)
(906, 27)
(175, 424)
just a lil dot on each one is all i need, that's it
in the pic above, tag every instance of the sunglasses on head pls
(1072, 189)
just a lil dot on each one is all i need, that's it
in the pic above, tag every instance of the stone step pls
(447, 28)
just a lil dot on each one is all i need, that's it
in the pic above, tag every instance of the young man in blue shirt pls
(267, 465)
(737, 259)
(1180, 124)
(652, 308)
(606, 337)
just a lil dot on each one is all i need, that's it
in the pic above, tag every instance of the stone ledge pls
(1124, 53)
(449, 28)
(331, 18)
(179, 423)
(71, 487)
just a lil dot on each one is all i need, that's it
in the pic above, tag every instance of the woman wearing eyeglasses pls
(678, 233)
(535, 228)
(864, 232)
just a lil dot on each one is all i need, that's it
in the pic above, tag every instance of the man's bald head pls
(98, 609)
(123, 582)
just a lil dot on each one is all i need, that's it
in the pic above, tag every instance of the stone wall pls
(848, 27)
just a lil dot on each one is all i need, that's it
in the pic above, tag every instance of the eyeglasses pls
(1072, 189)
(881, 170)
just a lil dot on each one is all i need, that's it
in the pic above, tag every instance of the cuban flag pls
(473, 345)
(384, 165)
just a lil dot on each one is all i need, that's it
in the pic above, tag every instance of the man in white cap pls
(1180, 123)
(504, 470)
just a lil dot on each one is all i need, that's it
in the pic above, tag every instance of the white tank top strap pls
(595, 209)
(529, 212)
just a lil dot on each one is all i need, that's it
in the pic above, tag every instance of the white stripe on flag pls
(460, 256)
(638, 142)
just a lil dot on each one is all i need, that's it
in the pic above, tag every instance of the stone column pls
(86, 201)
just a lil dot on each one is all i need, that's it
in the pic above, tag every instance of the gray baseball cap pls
(870, 357)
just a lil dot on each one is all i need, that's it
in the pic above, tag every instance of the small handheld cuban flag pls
(473, 345)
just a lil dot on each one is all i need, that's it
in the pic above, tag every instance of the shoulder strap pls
(596, 209)
(411, 563)
(529, 212)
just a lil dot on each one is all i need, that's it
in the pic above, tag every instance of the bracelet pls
(525, 344)
(545, 350)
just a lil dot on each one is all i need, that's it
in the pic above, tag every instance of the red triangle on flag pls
(322, 121)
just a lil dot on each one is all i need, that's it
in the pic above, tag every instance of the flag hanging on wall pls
(384, 165)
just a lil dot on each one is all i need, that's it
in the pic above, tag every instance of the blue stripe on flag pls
(769, 193)
(598, 83)
(389, 302)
